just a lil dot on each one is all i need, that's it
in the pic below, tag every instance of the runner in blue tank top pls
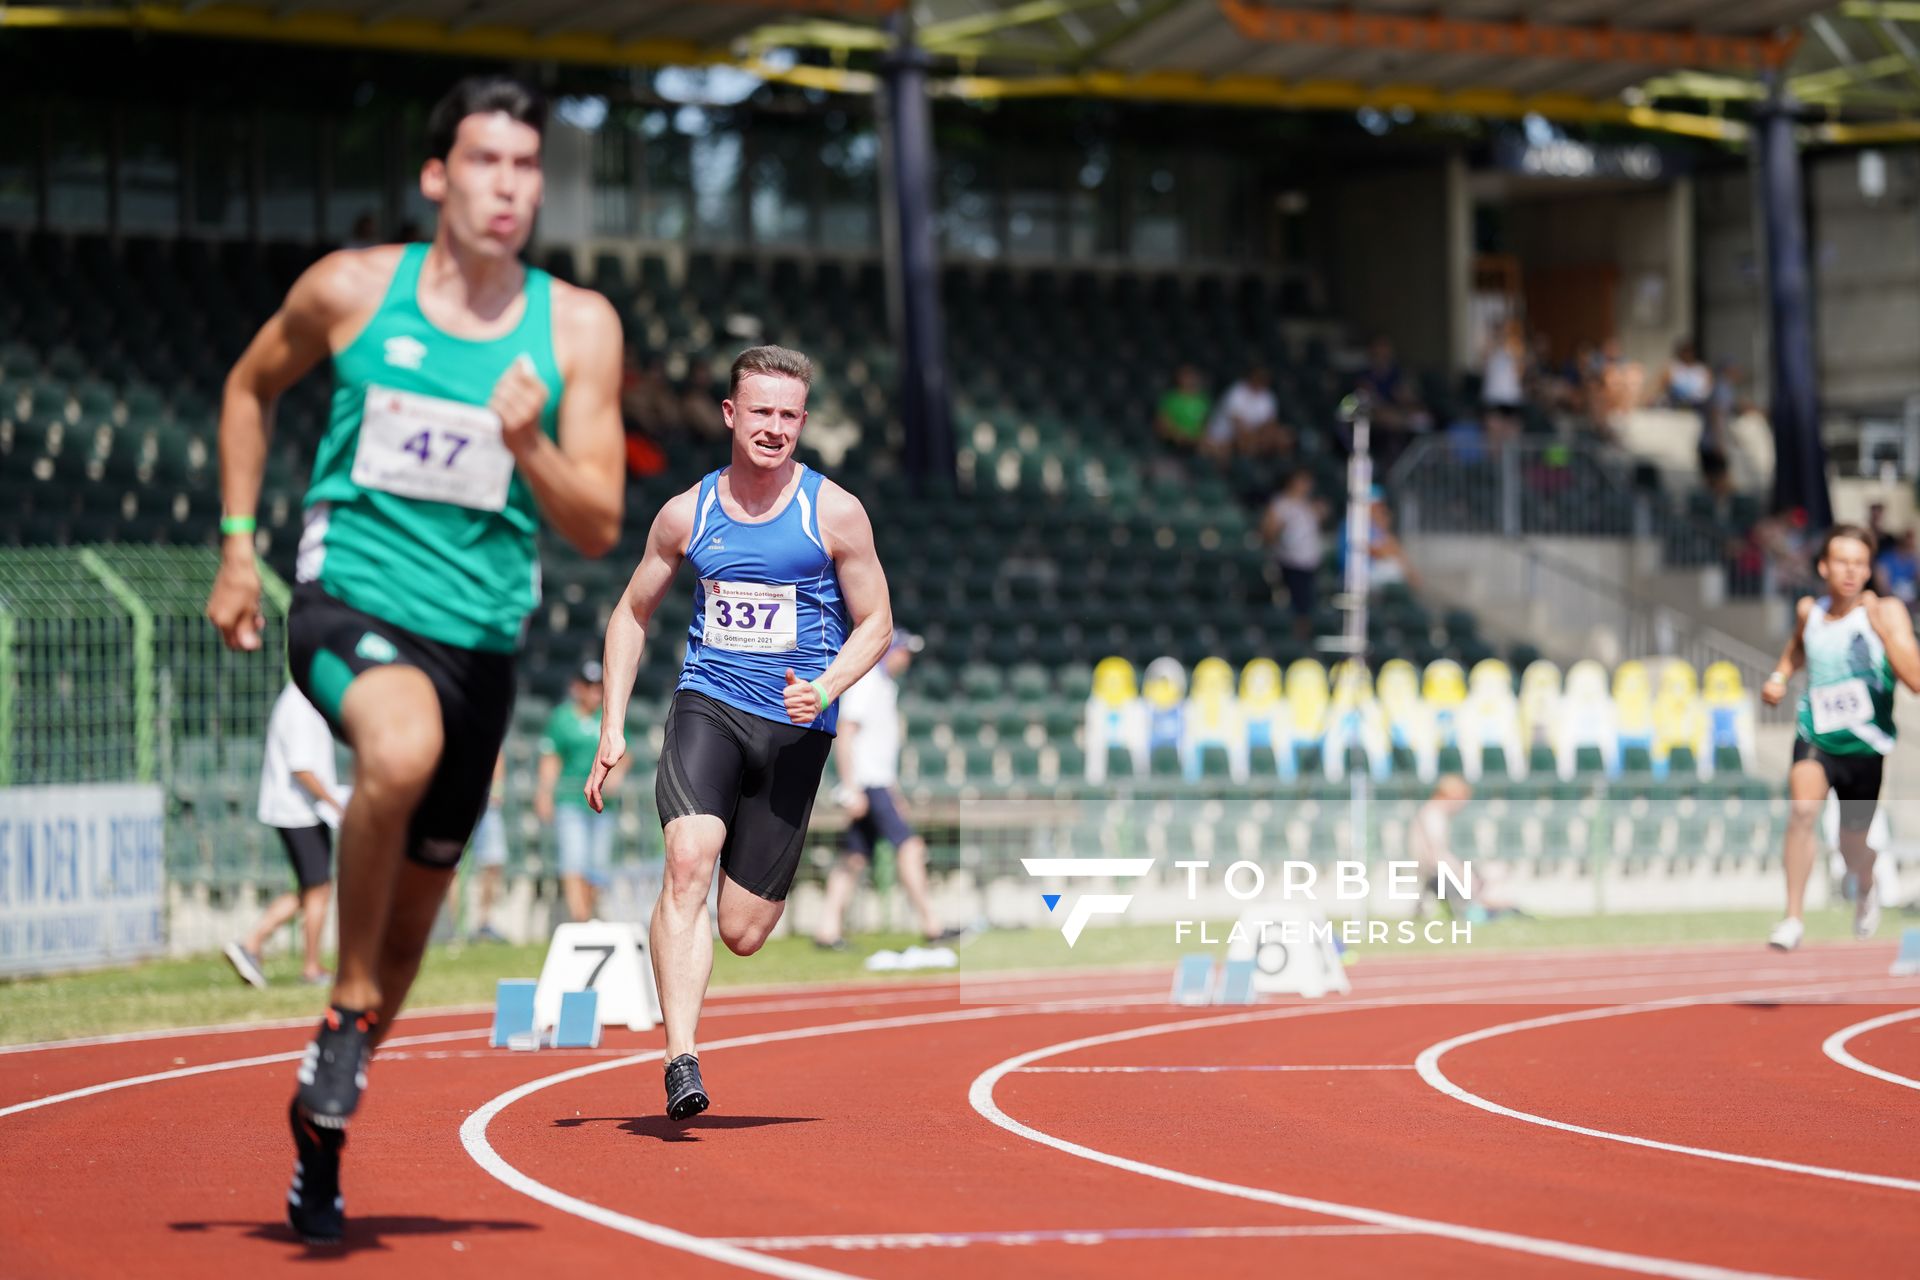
(790, 610)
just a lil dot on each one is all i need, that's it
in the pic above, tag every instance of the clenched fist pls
(518, 398)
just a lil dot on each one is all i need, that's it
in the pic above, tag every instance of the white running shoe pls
(246, 964)
(1866, 914)
(1786, 935)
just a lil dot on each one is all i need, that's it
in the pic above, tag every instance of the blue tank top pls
(768, 598)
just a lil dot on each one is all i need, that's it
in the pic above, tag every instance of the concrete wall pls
(1383, 242)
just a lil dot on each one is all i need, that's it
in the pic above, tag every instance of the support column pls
(1800, 466)
(913, 266)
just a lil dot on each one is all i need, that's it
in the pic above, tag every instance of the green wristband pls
(821, 689)
(237, 524)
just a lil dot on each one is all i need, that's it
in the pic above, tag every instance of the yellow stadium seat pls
(1490, 718)
(1163, 688)
(1729, 714)
(1539, 705)
(1679, 719)
(1408, 720)
(1307, 697)
(1213, 720)
(1264, 713)
(1116, 719)
(1633, 711)
(1354, 718)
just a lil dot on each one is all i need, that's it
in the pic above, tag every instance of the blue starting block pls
(1236, 982)
(1193, 980)
(579, 1025)
(1906, 964)
(513, 1015)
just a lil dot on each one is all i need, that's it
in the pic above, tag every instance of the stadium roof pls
(1678, 64)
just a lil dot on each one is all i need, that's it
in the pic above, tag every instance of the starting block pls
(579, 1025)
(513, 1015)
(603, 957)
(1236, 983)
(1193, 980)
(1906, 964)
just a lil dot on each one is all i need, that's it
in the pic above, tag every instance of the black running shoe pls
(334, 1070)
(315, 1209)
(686, 1095)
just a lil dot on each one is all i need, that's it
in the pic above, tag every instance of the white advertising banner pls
(83, 876)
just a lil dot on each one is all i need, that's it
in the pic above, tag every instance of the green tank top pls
(1847, 709)
(416, 513)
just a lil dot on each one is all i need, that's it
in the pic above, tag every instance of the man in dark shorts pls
(868, 758)
(790, 609)
(300, 798)
(1856, 647)
(473, 396)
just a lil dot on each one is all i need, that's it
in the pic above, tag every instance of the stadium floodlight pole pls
(913, 267)
(1356, 411)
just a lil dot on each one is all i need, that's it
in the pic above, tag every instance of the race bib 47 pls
(435, 450)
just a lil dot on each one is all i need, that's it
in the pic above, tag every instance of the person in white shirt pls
(1247, 420)
(866, 753)
(1291, 527)
(301, 798)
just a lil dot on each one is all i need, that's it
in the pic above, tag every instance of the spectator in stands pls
(699, 407)
(1502, 383)
(1248, 419)
(302, 800)
(363, 232)
(490, 854)
(1613, 385)
(1388, 559)
(1896, 572)
(648, 411)
(583, 839)
(1291, 527)
(1181, 416)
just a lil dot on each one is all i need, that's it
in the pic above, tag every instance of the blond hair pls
(780, 362)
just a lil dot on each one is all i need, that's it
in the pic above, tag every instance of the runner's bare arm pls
(580, 482)
(863, 585)
(1895, 625)
(339, 291)
(627, 630)
(1792, 658)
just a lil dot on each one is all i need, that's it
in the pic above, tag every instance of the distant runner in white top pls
(302, 799)
(867, 756)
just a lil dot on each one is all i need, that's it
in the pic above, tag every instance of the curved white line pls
(208, 1068)
(1428, 1065)
(980, 1095)
(473, 1136)
(1835, 1047)
(473, 1131)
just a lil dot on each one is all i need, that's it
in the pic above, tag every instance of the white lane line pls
(1428, 1064)
(208, 1068)
(473, 1136)
(1216, 1069)
(980, 1096)
(221, 1029)
(1835, 1047)
(473, 1131)
(1070, 1235)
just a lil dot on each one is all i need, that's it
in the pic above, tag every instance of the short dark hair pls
(781, 362)
(1853, 531)
(482, 96)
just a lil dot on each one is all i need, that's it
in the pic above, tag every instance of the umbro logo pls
(404, 352)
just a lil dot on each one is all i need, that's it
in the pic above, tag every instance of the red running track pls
(1658, 1112)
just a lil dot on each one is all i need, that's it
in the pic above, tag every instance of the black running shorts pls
(758, 776)
(310, 850)
(330, 644)
(882, 821)
(1854, 779)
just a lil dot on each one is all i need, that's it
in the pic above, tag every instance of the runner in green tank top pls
(472, 396)
(1854, 645)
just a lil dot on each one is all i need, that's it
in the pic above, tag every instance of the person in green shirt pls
(1181, 417)
(582, 838)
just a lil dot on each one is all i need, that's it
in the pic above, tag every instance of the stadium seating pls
(1414, 724)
